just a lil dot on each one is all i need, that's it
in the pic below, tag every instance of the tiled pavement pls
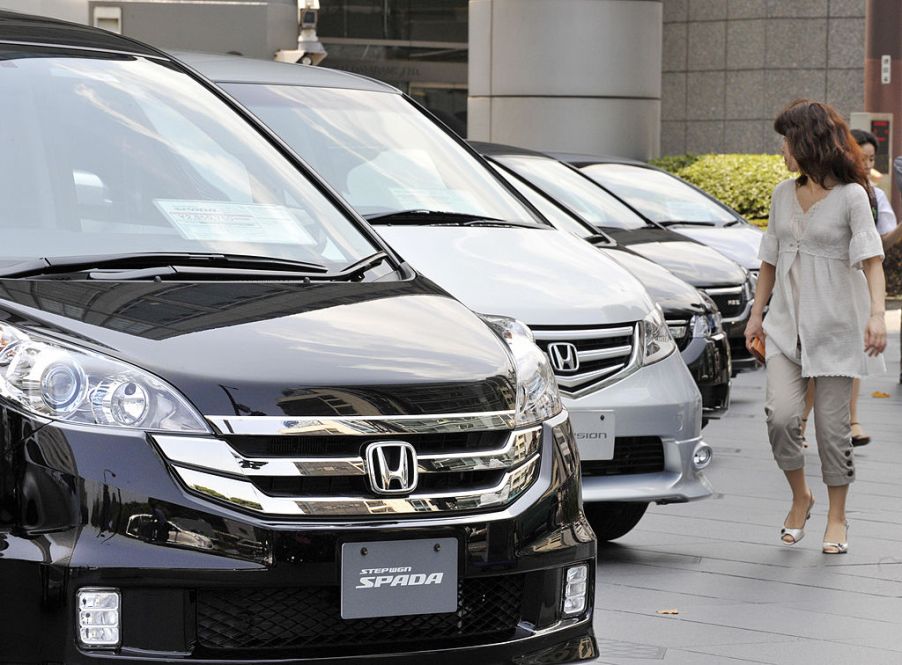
(743, 596)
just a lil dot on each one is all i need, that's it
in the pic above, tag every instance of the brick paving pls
(742, 595)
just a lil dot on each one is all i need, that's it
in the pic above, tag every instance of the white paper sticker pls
(235, 222)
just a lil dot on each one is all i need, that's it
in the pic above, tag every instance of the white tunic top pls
(820, 303)
(886, 218)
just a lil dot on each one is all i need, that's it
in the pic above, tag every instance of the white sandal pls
(797, 534)
(837, 548)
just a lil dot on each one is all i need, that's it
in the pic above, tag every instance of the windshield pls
(380, 153)
(106, 154)
(559, 218)
(586, 199)
(657, 195)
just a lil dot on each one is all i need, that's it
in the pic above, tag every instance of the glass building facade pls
(419, 46)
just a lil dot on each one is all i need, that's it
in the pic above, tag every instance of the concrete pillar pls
(566, 75)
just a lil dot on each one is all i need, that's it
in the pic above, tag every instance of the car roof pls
(18, 28)
(584, 159)
(498, 149)
(238, 69)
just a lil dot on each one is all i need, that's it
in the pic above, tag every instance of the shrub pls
(743, 182)
(674, 163)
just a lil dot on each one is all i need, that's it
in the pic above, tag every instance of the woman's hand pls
(875, 335)
(755, 328)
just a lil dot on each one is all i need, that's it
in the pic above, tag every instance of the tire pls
(613, 520)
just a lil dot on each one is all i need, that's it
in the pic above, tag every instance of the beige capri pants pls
(784, 407)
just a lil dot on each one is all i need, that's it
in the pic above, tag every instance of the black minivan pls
(234, 425)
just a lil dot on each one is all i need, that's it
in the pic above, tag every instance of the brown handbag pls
(757, 347)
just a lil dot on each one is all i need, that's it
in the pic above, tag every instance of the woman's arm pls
(755, 325)
(875, 331)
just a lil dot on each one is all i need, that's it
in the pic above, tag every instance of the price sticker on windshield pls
(235, 222)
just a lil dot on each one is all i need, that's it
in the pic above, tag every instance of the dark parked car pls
(234, 425)
(727, 283)
(693, 318)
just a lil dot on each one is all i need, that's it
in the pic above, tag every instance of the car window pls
(107, 154)
(658, 195)
(586, 199)
(559, 218)
(380, 152)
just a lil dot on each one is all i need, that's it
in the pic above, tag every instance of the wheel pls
(613, 520)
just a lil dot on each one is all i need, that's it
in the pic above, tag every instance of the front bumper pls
(226, 586)
(657, 411)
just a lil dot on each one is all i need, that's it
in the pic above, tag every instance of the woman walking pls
(821, 259)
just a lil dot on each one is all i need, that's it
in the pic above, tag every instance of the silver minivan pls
(634, 406)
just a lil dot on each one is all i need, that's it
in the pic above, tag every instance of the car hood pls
(675, 296)
(739, 243)
(266, 348)
(542, 277)
(692, 262)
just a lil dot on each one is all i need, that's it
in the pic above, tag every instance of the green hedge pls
(743, 182)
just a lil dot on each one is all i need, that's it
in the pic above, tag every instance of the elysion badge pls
(392, 467)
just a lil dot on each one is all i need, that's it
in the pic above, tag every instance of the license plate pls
(594, 433)
(397, 577)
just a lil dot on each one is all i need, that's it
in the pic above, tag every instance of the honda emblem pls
(564, 357)
(392, 467)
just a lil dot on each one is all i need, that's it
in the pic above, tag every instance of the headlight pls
(750, 284)
(715, 321)
(656, 340)
(713, 316)
(538, 398)
(57, 381)
(700, 325)
(753, 280)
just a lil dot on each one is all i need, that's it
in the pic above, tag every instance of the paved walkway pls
(742, 596)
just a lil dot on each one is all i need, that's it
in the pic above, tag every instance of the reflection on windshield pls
(106, 154)
(658, 196)
(560, 219)
(379, 152)
(578, 193)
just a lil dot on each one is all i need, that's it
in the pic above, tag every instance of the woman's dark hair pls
(820, 142)
(861, 137)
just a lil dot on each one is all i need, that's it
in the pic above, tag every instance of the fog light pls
(98, 617)
(576, 588)
(702, 456)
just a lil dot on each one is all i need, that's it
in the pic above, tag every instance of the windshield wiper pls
(599, 239)
(361, 267)
(684, 222)
(427, 217)
(167, 261)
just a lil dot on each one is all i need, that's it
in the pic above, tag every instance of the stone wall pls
(729, 66)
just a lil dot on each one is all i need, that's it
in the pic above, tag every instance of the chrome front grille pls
(462, 463)
(732, 301)
(603, 354)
